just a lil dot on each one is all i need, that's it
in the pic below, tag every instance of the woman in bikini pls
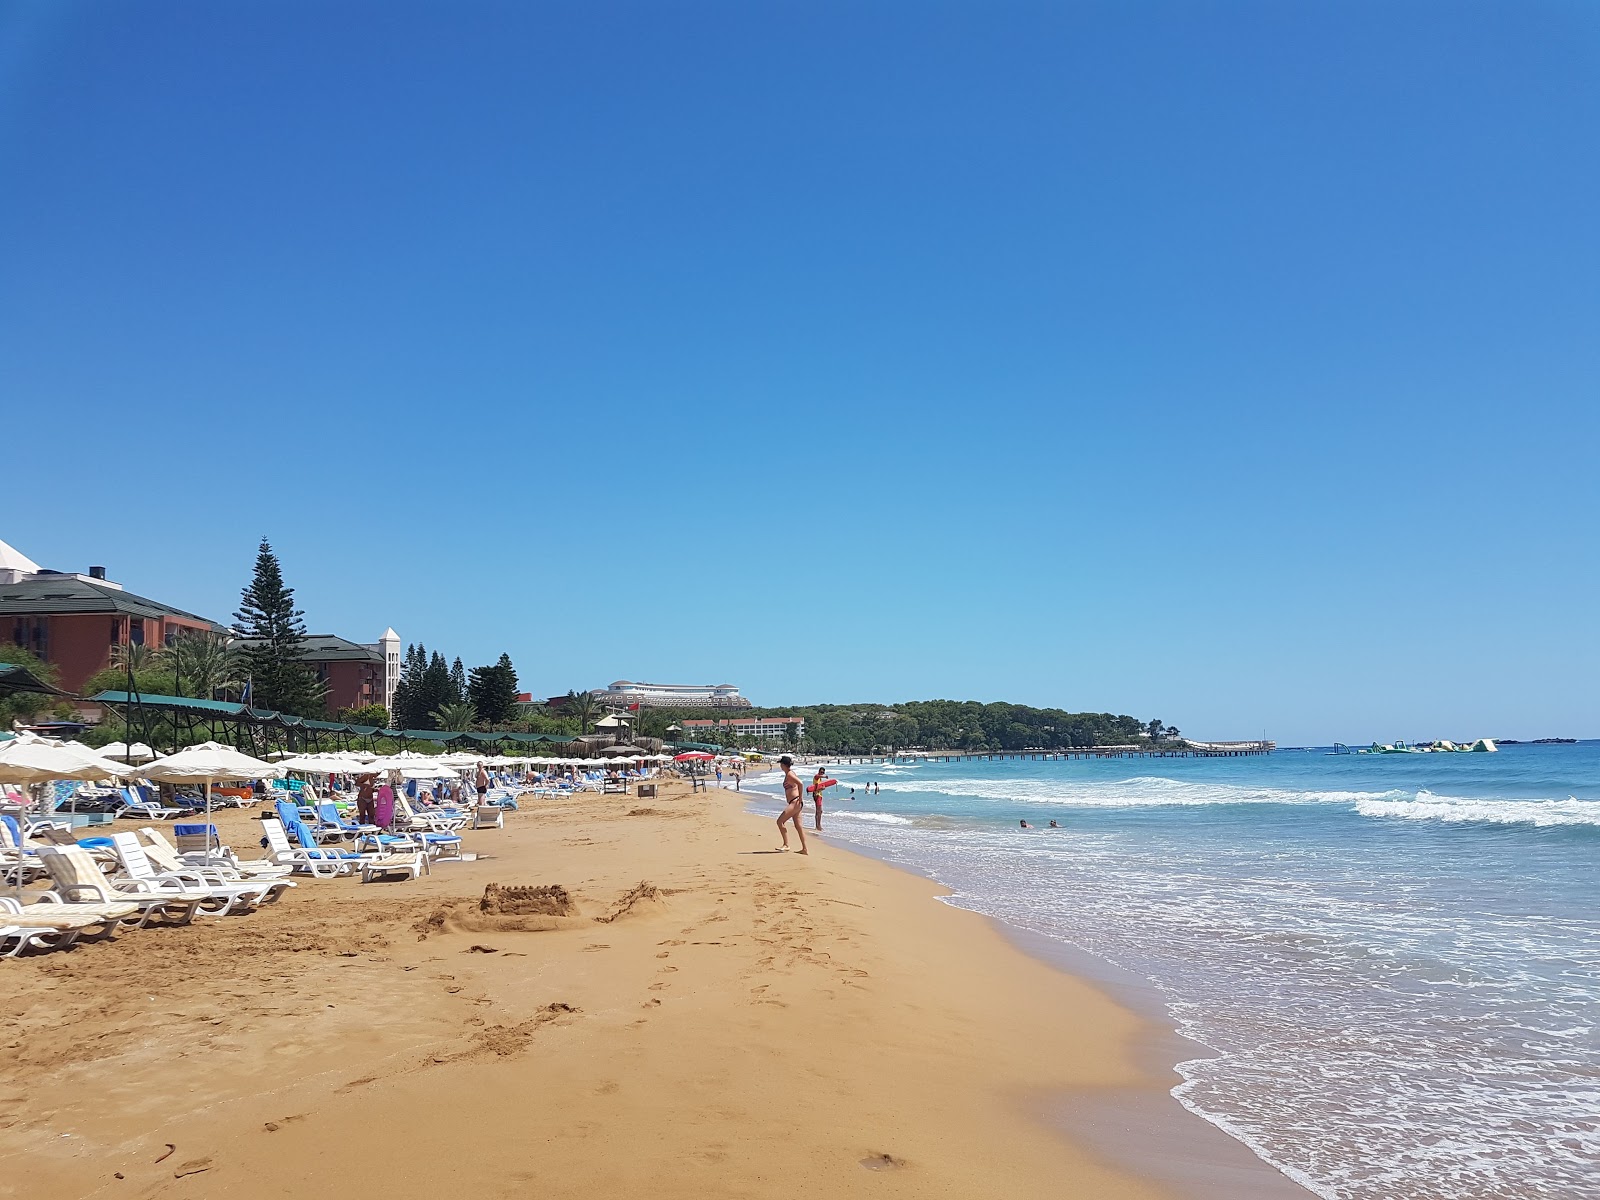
(794, 802)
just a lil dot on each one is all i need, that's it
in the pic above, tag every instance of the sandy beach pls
(704, 1017)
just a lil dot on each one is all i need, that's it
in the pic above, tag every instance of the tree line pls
(941, 725)
(433, 695)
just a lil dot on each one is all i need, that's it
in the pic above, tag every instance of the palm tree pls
(581, 705)
(203, 662)
(455, 718)
(135, 655)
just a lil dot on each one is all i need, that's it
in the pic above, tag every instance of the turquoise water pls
(1395, 960)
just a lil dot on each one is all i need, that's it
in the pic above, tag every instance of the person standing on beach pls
(817, 788)
(482, 781)
(794, 803)
(366, 799)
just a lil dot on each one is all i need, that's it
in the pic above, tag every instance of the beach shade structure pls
(208, 763)
(15, 678)
(612, 722)
(614, 751)
(693, 756)
(122, 752)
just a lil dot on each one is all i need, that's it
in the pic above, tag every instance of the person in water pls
(1053, 825)
(794, 803)
(1024, 824)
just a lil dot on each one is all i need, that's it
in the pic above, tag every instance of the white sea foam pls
(1425, 806)
(1140, 791)
(880, 818)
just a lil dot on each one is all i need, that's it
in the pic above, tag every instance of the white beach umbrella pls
(37, 760)
(34, 760)
(122, 752)
(313, 764)
(207, 763)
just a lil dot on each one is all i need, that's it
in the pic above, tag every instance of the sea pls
(1392, 962)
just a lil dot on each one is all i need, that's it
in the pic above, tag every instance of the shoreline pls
(1143, 1128)
(740, 1023)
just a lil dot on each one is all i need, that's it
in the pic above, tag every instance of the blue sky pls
(1233, 364)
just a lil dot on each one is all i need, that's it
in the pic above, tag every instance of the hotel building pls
(761, 728)
(625, 693)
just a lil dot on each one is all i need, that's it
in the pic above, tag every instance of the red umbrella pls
(693, 756)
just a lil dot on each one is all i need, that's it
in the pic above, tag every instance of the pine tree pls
(493, 692)
(433, 693)
(276, 630)
(458, 682)
(405, 708)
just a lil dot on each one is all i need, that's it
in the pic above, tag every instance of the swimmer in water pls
(1024, 824)
(1053, 825)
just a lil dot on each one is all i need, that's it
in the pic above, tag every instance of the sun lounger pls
(488, 816)
(14, 939)
(413, 865)
(78, 877)
(329, 817)
(220, 859)
(52, 926)
(227, 896)
(323, 862)
(436, 821)
(135, 806)
(439, 837)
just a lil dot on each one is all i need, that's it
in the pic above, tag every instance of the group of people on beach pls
(794, 799)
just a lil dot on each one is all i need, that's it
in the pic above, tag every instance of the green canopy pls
(19, 679)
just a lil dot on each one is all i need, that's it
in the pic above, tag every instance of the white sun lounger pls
(54, 926)
(166, 858)
(78, 877)
(324, 863)
(228, 896)
(413, 865)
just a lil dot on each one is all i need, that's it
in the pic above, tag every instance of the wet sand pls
(745, 1023)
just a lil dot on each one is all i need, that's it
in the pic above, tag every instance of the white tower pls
(389, 643)
(15, 566)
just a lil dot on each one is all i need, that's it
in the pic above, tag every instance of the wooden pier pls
(1187, 750)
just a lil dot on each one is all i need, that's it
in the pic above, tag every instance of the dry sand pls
(682, 1012)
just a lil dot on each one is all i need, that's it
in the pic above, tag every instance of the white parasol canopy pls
(122, 752)
(35, 760)
(29, 759)
(312, 764)
(207, 763)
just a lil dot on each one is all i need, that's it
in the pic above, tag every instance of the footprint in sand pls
(882, 1162)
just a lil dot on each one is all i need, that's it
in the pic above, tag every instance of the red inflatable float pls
(817, 787)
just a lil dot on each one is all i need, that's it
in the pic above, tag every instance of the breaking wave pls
(1138, 792)
(1428, 807)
